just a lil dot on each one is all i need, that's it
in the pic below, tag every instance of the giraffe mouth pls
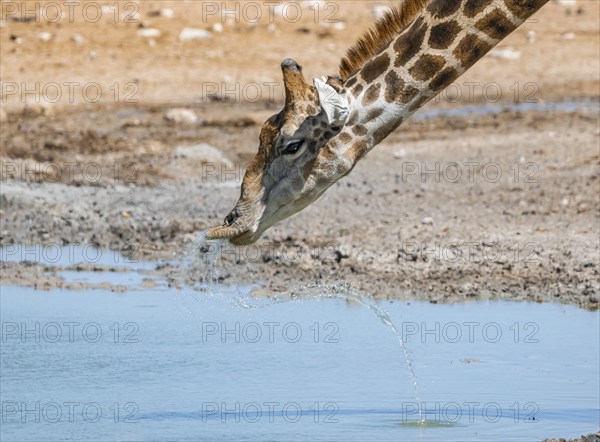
(235, 229)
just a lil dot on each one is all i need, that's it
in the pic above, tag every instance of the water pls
(183, 365)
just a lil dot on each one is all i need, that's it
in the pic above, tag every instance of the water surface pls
(184, 365)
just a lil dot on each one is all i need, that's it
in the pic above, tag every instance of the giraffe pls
(324, 129)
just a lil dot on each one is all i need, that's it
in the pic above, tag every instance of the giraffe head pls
(293, 166)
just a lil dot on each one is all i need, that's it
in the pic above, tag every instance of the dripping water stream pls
(207, 252)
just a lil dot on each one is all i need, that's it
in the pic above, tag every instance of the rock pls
(149, 33)
(181, 116)
(427, 221)
(339, 26)
(189, 34)
(202, 151)
(566, 2)
(78, 39)
(44, 36)
(217, 27)
(164, 12)
(16, 39)
(505, 53)
(568, 36)
(531, 37)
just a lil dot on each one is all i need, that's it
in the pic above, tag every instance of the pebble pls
(44, 36)
(566, 2)
(78, 39)
(531, 37)
(149, 33)
(217, 27)
(188, 34)
(505, 53)
(568, 36)
(164, 12)
(181, 116)
(427, 221)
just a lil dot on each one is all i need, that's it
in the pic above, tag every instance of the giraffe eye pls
(292, 147)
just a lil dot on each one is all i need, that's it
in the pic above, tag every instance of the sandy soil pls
(498, 205)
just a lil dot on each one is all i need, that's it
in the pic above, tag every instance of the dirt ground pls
(498, 203)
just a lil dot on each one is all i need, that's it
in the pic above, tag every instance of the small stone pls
(181, 116)
(568, 36)
(400, 153)
(427, 221)
(339, 26)
(149, 33)
(44, 36)
(164, 12)
(505, 53)
(531, 37)
(189, 34)
(217, 27)
(564, 202)
(78, 39)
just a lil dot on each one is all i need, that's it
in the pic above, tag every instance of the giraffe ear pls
(333, 105)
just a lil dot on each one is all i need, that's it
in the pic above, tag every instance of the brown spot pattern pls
(523, 9)
(357, 90)
(443, 79)
(393, 86)
(471, 49)
(374, 113)
(311, 110)
(380, 134)
(372, 94)
(408, 44)
(360, 130)
(427, 66)
(474, 7)
(358, 149)
(443, 8)
(443, 35)
(345, 137)
(419, 103)
(351, 82)
(375, 67)
(495, 24)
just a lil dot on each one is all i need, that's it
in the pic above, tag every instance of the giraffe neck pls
(442, 43)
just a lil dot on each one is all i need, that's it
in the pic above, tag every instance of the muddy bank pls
(449, 208)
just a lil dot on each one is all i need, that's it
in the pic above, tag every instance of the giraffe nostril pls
(233, 215)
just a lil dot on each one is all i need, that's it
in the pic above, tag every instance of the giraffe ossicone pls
(324, 129)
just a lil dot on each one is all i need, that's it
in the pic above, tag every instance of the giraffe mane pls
(379, 36)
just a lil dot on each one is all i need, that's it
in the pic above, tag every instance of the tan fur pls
(379, 36)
